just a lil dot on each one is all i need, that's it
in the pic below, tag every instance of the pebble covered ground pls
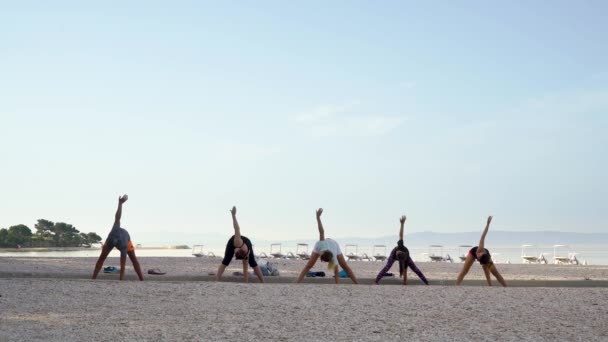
(108, 310)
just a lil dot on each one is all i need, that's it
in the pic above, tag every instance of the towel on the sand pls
(313, 274)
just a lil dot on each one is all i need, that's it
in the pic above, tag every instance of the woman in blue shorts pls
(119, 238)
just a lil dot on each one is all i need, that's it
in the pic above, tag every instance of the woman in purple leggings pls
(402, 254)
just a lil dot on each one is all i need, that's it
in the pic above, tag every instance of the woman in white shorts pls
(329, 251)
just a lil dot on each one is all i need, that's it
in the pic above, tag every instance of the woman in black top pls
(240, 247)
(481, 254)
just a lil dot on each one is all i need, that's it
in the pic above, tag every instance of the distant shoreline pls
(70, 249)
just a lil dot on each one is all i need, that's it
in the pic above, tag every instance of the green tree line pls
(48, 234)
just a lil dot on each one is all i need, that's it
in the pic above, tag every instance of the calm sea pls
(593, 255)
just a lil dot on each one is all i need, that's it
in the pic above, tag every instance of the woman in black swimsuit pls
(482, 255)
(240, 247)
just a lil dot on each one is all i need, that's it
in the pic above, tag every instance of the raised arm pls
(321, 231)
(402, 220)
(121, 200)
(237, 230)
(480, 248)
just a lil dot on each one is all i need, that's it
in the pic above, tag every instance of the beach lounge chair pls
(568, 259)
(197, 251)
(302, 251)
(573, 259)
(276, 253)
(350, 255)
(560, 259)
(448, 258)
(436, 254)
(528, 259)
(364, 256)
(290, 255)
(263, 255)
(495, 258)
(379, 252)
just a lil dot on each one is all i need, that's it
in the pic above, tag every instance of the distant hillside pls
(495, 238)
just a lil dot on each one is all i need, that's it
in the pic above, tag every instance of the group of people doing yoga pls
(326, 249)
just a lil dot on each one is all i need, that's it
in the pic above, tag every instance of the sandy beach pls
(51, 299)
(189, 267)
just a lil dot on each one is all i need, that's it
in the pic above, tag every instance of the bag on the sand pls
(269, 269)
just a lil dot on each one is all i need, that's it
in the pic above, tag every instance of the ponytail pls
(403, 255)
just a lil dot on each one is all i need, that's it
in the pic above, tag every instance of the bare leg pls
(497, 275)
(123, 261)
(220, 271)
(258, 272)
(311, 262)
(405, 277)
(345, 267)
(468, 262)
(336, 275)
(245, 270)
(105, 250)
(136, 266)
(486, 272)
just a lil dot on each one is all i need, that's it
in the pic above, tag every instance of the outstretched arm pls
(121, 200)
(480, 248)
(220, 271)
(402, 220)
(237, 230)
(246, 270)
(258, 272)
(320, 224)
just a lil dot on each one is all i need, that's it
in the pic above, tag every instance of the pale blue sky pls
(445, 111)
